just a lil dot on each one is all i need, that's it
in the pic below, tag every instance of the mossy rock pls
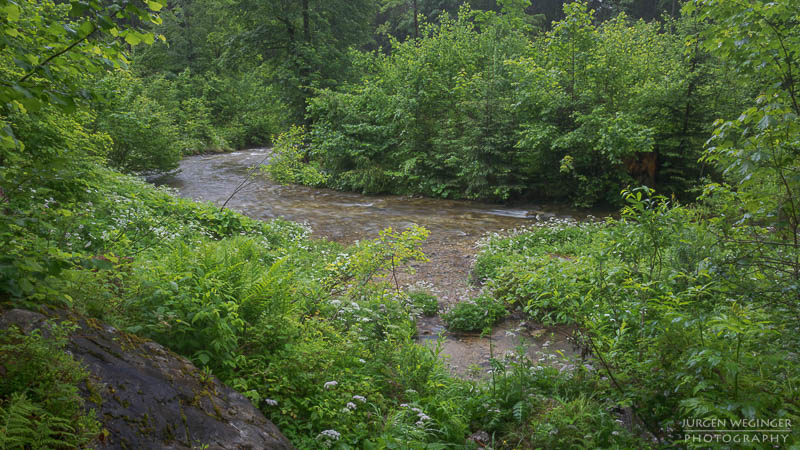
(146, 396)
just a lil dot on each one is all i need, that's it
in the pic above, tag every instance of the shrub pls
(664, 305)
(578, 422)
(425, 302)
(475, 315)
(287, 164)
(144, 135)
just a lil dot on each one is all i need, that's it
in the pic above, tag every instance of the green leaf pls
(132, 38)
(154, 5)
(11, 11)
(764, 123)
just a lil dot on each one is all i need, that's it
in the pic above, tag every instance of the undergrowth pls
(678, 321)
(39, 402)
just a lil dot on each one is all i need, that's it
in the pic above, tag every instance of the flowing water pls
(345, 217)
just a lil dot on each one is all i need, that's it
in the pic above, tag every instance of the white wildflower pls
(332, 434)
(330, 384)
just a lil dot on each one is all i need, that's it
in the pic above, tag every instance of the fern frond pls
(17, 428)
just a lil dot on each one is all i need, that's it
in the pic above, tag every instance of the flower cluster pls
(328, 438)
(422, 418)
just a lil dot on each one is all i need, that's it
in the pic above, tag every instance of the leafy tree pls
(197, 36)
(48, 49)
(617, 103)
(477, 108)
(145, 138)
(400, 18)
(430, 118)
(306, 41)
(759, 152)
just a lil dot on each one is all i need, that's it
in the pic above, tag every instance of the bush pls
(475, 315)
(217, 112)
(578, 422)
(664, 305)
(288, 165)
(144, 134)
(425, 302)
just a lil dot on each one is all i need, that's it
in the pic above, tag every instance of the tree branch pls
(57, 54)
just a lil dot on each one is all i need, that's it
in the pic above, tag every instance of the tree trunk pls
(305, 68)
(306, 22)
(416, 22)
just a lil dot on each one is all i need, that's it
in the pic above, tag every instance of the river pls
(454, 227)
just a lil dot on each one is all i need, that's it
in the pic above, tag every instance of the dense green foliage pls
(49, 48)
(477, 314)
(676, 327)
(287, 163)
(39, 402)
(680, 311)
(478, 109)
(424, 301)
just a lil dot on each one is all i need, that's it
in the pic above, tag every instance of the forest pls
(680, 118)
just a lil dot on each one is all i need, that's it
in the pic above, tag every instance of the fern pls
(26, 425)
(54, 432)
(519, 411)
(268, 293)
(17, 428)
(40, 407)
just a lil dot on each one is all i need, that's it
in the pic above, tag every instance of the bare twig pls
(244, 182)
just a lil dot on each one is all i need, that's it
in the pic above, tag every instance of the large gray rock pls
(153, 398)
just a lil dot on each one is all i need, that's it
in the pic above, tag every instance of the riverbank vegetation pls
(304, 328)
(686, 307)
(680, 318)
(478, 109)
